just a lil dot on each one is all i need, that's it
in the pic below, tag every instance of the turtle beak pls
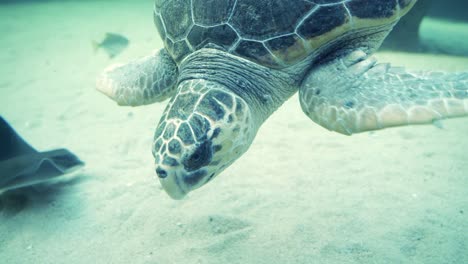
(171, 183)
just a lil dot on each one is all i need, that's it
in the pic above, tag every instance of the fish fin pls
(11, 144)
(21, 165)
(32, 169)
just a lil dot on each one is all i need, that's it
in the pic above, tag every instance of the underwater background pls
(301, 194)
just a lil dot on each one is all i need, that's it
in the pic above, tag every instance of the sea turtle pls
(405, 35)
(229, 64)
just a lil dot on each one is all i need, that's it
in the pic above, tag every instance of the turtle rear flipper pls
(143, 81)
(354, 94)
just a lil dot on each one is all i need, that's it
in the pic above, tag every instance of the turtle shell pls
(274, 33)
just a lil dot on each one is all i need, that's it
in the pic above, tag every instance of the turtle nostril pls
(161, 173)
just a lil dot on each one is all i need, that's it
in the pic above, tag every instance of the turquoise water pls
(301, 194)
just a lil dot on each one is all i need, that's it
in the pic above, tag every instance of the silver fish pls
(113, 44)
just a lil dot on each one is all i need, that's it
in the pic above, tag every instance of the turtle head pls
(204, 129)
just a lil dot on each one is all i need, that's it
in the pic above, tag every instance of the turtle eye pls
(199, 158)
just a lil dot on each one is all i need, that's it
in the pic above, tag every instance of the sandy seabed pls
(301, 194)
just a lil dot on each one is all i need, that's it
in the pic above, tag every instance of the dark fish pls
(21, 165)
(113, 44)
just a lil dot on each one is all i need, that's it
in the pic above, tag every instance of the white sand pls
(300, 195)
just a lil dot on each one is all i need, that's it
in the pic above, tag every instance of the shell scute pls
(370, 9)
(260, 21)
(223, 35)
(177, 17)
(324, 19)
(256, 51)
(212, 12)
(274, 33)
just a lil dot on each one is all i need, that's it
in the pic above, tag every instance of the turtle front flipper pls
(143, 81)
(354, 94)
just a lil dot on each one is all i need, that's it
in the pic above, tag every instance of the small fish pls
(113, 44)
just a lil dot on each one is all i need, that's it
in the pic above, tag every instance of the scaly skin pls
(224, 91)
(203, 130)
(354, 93)
(214, 117)
(143, 81)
